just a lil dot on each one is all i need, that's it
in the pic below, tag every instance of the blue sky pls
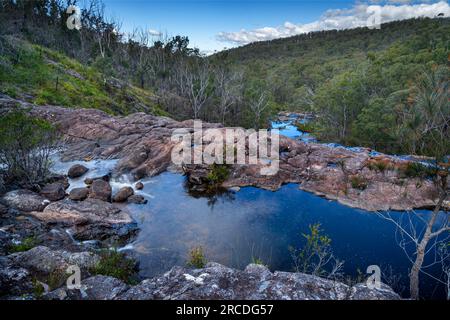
(215, 24)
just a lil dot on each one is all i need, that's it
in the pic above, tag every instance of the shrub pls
(316, 256)
(115, 264)
(417, 170)
(307, 127)
(218, 174)
(258, 261)
(358, 182)
(26, 244)
(197, 258)
(26, 144)
(379, 165)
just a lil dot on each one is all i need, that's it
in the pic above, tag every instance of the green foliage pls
(218, 173)
(358, 182)
(26, 143)
(197, 258)
(417, 170)
(25, 245)
(306, 127)
(380, 166)
(258, 261)
(316, 255)
(374, 88)
(115, 264)
(38, 289)
(44, 76)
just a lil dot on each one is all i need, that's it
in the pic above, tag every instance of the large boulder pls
(53, 191)
(100, 189)
(78, 194)
(70, 212)
(123, 194)
(25, 200)
(91, 219)
(76, 171)
(14, 280)
(256, 282)
(44, 261)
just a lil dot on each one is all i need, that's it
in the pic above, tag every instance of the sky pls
(213, 25)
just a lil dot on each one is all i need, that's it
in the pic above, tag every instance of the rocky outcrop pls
(25, 200)
(143, 144)
(216, 281)
(256, 282)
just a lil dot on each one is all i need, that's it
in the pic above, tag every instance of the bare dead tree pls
(426, 242)
(257, 105)
(229, 87)
(194, 83)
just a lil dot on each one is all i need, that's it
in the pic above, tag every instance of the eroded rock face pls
(76, 171)
(254, 283)
(54, 191)
(25, 200)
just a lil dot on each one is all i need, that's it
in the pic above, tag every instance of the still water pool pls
(238, 227)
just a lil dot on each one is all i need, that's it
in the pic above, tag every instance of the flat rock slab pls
(69, 212)
(44, 261)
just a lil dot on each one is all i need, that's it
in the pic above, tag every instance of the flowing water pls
(238, 227)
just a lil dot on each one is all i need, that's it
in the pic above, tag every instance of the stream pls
(241, 226)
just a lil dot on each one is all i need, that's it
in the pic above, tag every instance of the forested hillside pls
(379, 88)
(386, 88)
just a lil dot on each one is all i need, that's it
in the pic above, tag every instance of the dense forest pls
(386, 89)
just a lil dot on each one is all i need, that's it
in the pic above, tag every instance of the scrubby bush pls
(358, 182)
(197, 258)
(316, 256)
(25, 245)
(26, 143)
(115, 264)
(218, 174)
(417, 170)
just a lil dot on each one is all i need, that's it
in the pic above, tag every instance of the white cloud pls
(154, 32)
(358, 16)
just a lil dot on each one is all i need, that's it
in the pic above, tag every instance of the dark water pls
(252, 223)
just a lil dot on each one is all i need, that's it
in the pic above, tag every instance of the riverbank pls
(142, 144)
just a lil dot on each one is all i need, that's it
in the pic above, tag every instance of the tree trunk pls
(414, 275)
(421, 248)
